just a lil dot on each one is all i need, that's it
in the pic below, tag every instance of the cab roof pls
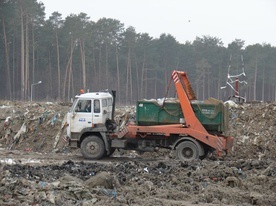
(94, 95)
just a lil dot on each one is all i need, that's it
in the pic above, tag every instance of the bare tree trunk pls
(219, 83)
(8, 77)
(22, 54)
(82, 52)
(100, 68)
(275, 93)
(155, 85)
(143, 77)
(27, 80)
(263, 84)
(50, 83)
(118, 74)
(130, 81)
(33, 53)
(13, 69)
(203, 86)
(137, 78)
(73, 90)
(251, 90)
(58, 65)
(106, 66)
(65, 80)
(127, 75)
(69, 80)
(274, 88)
(197, 88)
(208, 83)
(67, 72)
(166, 78)
(70, 73)
(96, 81)
(146, 82)
(255, 79)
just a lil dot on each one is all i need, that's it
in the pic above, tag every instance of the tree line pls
(77, 53)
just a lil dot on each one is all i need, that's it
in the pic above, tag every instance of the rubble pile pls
(30, 126)
(36, 167)
(253, 126)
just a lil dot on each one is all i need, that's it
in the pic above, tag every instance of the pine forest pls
(59, 56)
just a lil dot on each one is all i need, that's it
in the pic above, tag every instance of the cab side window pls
(104, 102)
(97, 108)
(109, 102)
(83, 106)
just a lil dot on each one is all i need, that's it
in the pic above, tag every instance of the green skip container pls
(212, 113)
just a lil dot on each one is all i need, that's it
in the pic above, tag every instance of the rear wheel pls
(187, 151)
(206, 152)
(92, 147)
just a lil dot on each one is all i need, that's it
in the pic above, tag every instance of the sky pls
(253, 21)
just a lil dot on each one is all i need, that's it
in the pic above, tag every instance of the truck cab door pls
(101, 110)
(97, 112)
(81, 116)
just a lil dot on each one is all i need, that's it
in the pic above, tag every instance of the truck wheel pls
(206, 152)
(92, 147)
(187, 151)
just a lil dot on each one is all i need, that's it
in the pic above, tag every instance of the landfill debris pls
(39, 169)
(32, 125)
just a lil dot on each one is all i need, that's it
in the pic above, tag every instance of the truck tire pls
(206, 152)
(187, 151)
(92, 147)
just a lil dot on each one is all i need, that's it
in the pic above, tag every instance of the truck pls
(191, 127)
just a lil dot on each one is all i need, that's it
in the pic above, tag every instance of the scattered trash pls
(109, 192)
(7, 122)
(231, 103)
(54, 119)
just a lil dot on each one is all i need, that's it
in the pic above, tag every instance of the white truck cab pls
(88, 110)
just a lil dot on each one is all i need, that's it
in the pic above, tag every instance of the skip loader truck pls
(193, 128)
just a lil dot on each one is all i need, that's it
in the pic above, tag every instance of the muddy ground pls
(35, 169)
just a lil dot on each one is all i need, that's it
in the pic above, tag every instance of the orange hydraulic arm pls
(194, 126)
(178, 75)
(185, 94)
